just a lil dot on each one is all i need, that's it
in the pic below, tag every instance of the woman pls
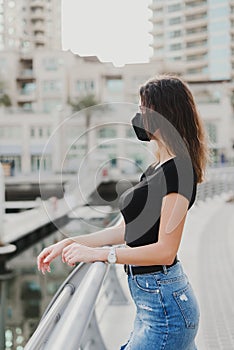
(154, 213)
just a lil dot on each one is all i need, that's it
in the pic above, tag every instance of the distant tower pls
(30, 24)
(198, 33)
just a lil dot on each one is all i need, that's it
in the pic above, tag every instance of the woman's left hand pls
(75, 252)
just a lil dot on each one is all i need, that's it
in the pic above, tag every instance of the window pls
(52, 86)
(27, 106)
(41, 163)
(32, 132)
(40, 132)
(174, 7)
(175, 58)
(196, 30)
(196, 3)
(27, 88)
(191, 18)
(196, 43)
(175, 34)
(107, 133)
(175, 20)
(114, 85)
(84, 85)
(196, 57)
(200, 70)
(51, 63)
(175, 47)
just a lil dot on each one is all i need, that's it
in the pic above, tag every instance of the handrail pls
(220, 181)
(76, 297)
(79, 311)
(46, 326)
(81, 269)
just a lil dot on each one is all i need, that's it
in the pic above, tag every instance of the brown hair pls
(171, 98)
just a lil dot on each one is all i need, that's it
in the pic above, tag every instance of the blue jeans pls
(167, 312)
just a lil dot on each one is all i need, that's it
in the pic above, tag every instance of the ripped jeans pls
(167, 312)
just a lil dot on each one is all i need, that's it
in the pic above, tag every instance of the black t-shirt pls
(141, 204)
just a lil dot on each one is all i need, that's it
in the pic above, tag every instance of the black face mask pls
(138, 126)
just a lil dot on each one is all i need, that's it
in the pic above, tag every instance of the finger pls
(67, 257)
(66, 249)
(63, 257)
(41, 257)
(49, 258)
(45, 268)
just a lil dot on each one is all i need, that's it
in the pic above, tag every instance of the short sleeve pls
(179, 177)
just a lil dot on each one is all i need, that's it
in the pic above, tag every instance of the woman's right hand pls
(48, 254)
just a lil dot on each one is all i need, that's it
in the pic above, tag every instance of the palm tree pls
(84, 103)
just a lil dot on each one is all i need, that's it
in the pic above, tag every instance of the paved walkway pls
(206, 253)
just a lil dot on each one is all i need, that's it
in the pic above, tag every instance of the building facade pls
(30, 24)
(199, 33)
(40, 85)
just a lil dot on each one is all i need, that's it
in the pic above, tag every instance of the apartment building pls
(199, 33)
(30, 24)
(40, 84)
(40, 121)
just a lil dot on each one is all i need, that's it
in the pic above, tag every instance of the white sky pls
(113, 30)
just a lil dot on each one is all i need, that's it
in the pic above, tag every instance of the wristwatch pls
(111, 259)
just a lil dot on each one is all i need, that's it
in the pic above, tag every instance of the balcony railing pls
(26, 74)
(37, 4)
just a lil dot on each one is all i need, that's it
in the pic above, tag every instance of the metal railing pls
(219, 181)
(71, 313)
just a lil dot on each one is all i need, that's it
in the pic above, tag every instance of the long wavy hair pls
(171, 98)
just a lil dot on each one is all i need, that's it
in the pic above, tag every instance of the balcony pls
(196, 23)
(37, 4)
(196, 77)
(196, 64)
(26, 96)
(39, 26)
(193, 10)
(196, 36)
(40, 39)
(37, 15)
(196, 50)
(26, 75)
(156, 5)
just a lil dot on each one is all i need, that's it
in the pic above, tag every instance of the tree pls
(5, 100)
(85, 103)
